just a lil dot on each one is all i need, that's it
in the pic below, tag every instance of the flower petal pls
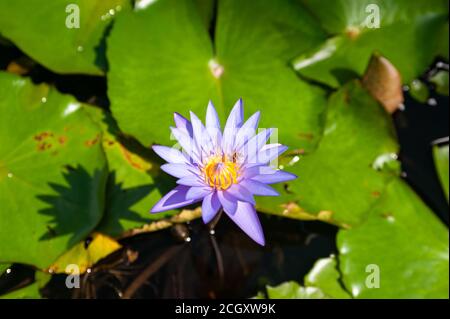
(228, 202)
(247, 219)
(169, 154)
(182, 123)
(213, 127)
(258, 188)
(210, 207)
(174, 199)
(250, 170)
(236, 117)
(234, 122)
(247, 131)
(274, 177)
(198, 192)
(269, 152)
(192, 180)
(187, 143)
(212, 119)
(254, 145)
(241, 193)
(178, 170)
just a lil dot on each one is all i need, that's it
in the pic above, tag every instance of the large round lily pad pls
(52, 172)
(162, 60)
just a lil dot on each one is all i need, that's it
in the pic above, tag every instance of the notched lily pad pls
(51, 183)
(180, 68)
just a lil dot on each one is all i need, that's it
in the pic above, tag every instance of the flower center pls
(220, 172)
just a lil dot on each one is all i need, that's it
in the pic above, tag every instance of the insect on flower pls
(222, 169)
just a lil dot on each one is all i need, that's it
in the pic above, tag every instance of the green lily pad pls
(400, 251)
(325, 276)
(414, 34)
(440, 154)
(158, 67)
(293, 290)
(52, 172)
(135, 182)
(348, 172)
(31, 291)
(321, 282)
(48, 31)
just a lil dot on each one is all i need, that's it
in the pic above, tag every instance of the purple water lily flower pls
(224, 170)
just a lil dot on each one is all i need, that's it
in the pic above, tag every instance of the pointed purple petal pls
(178, 170)
(198, 192)
(169, 154)
(274, 177)
(210, 207)
(234, 122)
(247, 219)
(247, 131)
(250, 170)
(213, 127)
(198, 130)
(254, 145)
(187, 143)
(269, 152)
(258, 188)
(174, 199)
(212, 119)
(192, 180)
(228, 202)
(236, 117)
(182, 123)
(241, 193)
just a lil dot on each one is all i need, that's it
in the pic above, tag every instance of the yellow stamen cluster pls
(220, 172)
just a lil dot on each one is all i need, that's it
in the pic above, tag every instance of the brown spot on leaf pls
(135, 160)
(92, 142)
(42, 136)
(376, 194)
(62, 140)
(306, 136)
(44, 146)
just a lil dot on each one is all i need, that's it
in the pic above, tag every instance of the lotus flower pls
(223, 170)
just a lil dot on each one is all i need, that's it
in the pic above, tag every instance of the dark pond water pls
(228, 264)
